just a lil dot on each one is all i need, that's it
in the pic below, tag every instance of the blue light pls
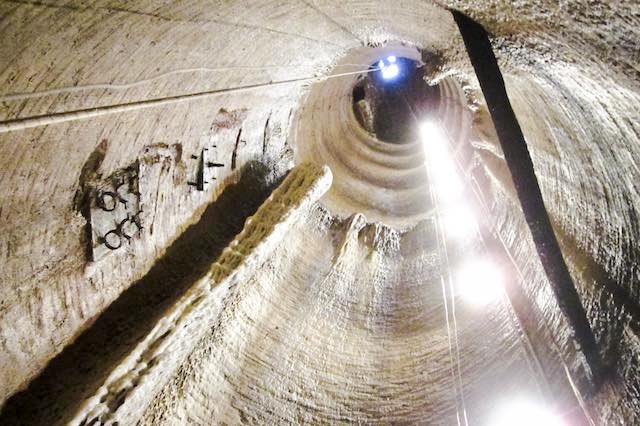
(389, 68)
(390, 72)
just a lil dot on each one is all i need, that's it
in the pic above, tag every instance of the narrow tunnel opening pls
(392, 98)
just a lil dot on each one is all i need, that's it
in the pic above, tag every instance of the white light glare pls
(447, 184)
(524, 413)
(390, 72)
(441, 165)
(434, 142)
(479, 282)
(431, 133)
(459, 222)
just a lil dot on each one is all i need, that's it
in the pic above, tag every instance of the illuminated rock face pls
(345, 321)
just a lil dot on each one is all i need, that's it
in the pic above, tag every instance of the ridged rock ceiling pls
(203, 108)
(386, 182)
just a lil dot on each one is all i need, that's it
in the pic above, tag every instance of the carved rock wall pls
(90, 88)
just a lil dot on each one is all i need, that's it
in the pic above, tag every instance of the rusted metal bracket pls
(518, 160)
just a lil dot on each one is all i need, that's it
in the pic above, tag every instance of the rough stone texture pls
(387, 182)
(344, 322)
(371, 299)
(133, 382)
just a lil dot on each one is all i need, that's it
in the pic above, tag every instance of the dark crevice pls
(80, 368)
(358, 93)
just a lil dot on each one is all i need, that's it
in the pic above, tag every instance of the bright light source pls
(441, 163)
(434, 142)
(459, 222)
(479, 282)
(524, 413)
(446, 182)
(432, 134)
(390, 72)
(389, 68)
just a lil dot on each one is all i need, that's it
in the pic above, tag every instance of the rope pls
(82, 114)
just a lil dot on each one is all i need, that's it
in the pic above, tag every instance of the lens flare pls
(459, 222)
(440, 162)
(432, 135)
(479, 282)
(523, 412)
